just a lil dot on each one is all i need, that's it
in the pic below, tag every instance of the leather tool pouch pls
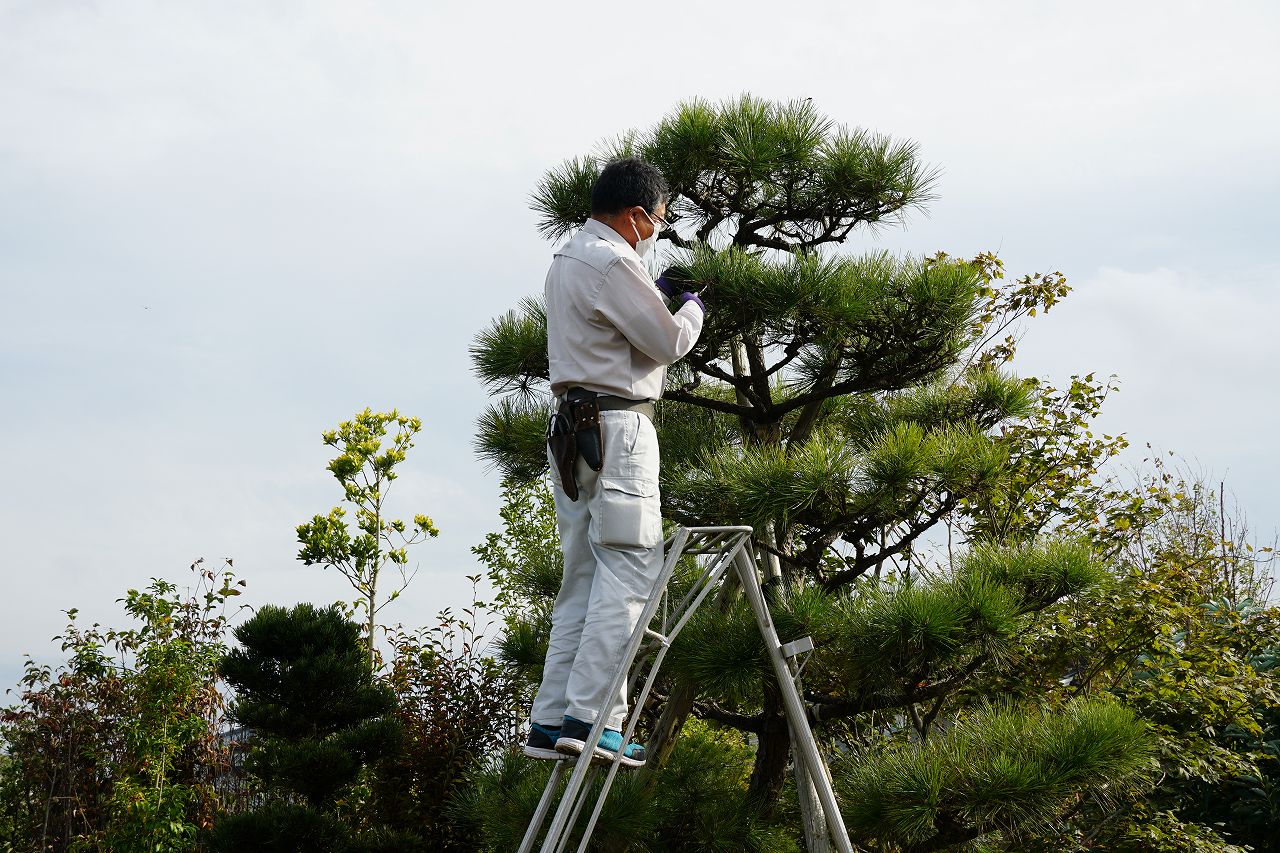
(575, 430)
(587, 427)
(563, 444)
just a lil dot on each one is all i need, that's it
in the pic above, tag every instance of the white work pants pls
(611, 537)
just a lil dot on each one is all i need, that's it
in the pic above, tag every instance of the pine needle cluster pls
(1000, 770)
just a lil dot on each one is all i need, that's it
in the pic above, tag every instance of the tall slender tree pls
(845, 406)
(366, 470)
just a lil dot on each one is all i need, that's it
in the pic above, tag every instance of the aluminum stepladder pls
(719, 548)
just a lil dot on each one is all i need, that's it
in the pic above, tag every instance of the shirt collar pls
(598, 228)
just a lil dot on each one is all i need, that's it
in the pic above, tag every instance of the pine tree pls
(844, 406)
(304, 690)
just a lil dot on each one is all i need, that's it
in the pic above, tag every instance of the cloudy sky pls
(224, 227)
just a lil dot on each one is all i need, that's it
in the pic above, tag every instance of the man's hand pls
(673, 281)
(692, 297)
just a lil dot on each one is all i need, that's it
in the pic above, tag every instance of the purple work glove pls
(692, 297)
(668, 287)
(674, 281)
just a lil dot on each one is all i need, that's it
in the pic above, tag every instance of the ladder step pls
(797, 647)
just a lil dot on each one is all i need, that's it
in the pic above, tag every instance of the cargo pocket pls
(630, 514)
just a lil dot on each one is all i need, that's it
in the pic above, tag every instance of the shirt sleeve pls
(631, 302)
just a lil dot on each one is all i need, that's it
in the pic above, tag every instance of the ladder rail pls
(580, 799)
(544, 806)
(709, 577)
(673, 547)
(798, 718)
(690, 595)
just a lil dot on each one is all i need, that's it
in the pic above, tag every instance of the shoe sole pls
(543, 753)
(573, 747)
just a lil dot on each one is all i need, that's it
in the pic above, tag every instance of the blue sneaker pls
(542, 742)
(573, 739)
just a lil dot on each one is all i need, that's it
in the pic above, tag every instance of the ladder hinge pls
(652, 634)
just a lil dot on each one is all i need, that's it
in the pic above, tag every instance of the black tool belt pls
(576, 430)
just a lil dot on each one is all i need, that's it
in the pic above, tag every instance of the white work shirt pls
(608, 327)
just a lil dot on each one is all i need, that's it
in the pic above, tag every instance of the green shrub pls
(118, 749)
(303, 688)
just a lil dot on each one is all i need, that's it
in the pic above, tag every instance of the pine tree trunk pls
(774, 747)
(663, 740)
(772, 752)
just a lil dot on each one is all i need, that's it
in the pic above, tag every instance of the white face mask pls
(643, 246)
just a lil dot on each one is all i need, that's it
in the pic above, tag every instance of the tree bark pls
(774, 747)
(666, 730)
(772, 751)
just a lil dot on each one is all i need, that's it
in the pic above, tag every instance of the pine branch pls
(681, 396)
(827, 708)
(950, 833)
(676, 240)
(742, 384)
(817, 396)
(741, 722)
(784, 556)
(803, 427)
(866, 561)
(817, 543)
(790, 352)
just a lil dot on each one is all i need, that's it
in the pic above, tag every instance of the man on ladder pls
(610, 337)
